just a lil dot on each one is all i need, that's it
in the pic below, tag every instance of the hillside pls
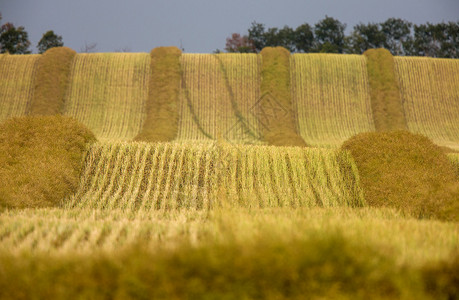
(220, 96)
(243, 176)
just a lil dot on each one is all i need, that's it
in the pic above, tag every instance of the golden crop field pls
(247, 220)
(430, 91)
(60, 231)
(331, 97)
(218, 97)
(108, 92)
(16, 84)
(162, 176)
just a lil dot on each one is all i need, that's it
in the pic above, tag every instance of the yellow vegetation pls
(52, 81)
(16, 84)
(219, 97)
(40, 160)
(108, 93)
(161, 123)
(278, 125)
(430, 94)
(139, 176)
(406, 171)
(386, 103)
(331, 97)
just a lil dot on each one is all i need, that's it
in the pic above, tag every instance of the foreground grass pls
(259, 253)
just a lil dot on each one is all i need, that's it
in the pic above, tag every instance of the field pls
(331, 97)
(16, 84)
(430, 93)
(218, 97)
(165, 176)
(219, 211)
(108, 92)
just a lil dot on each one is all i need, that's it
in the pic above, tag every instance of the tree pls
(450, 47)
(329, 36)
(49, 40)
(398, 38)
(303, 38)
(365, 37)
(427, 40)
(14, 40)
(238, 43)
(257, 36)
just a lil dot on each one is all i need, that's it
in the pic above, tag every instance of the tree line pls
(15, 40)
(399, 36)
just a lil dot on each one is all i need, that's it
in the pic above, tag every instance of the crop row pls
(162, 176)
(218, 97)
(16, 84)
(108, 93)
(331, 98)
(430, 94)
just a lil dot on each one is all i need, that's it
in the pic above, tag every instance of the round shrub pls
(40, 160)
(406, 171)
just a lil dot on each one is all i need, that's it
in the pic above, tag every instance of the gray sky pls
(200, 26)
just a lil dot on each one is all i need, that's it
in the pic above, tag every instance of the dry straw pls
(40, 160)
(386, 102)
(16, 84)
(161, 123)
(331, 96)
(406, 171)
(52, 81)
(276, 106)
(430, 93)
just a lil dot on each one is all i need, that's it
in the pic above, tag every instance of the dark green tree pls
(398, 38)
(450, 47)
(49, 40)
(303, 38)
(14, 40)
(257, 36)
(365, 37)
(329, 36)
(427, 40)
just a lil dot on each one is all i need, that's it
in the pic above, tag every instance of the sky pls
(198, 26)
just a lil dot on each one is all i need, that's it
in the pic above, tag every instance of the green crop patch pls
(276, 105)
(161, 122)
(40, 160)
(406, 171)
(52, 81)
(386, 102)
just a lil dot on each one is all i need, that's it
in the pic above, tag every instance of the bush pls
(51, 81)
(40, 160)
(161, 123)
(386, 102)
(279, 127)
(406, 171)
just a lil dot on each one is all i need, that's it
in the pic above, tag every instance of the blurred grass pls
(244, 254)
